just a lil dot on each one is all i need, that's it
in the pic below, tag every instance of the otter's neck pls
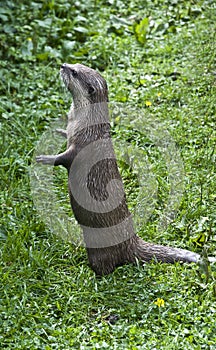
(86, 116)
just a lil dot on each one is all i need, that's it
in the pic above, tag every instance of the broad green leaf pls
(141, 30)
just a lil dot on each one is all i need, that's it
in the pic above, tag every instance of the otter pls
(95, 186)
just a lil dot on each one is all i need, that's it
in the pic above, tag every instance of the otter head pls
(85, 84)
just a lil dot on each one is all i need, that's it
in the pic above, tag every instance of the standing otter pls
(95, 186)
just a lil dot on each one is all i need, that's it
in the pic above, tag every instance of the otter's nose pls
(64, 65)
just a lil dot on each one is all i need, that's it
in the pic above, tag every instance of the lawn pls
(158, 58)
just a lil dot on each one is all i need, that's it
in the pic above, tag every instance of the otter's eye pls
(91, 89)
(74, 73)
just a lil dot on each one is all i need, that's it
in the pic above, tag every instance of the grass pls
(158, 56)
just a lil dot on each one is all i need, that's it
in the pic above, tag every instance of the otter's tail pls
(147, 251)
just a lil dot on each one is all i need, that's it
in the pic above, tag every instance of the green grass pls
(49, 297)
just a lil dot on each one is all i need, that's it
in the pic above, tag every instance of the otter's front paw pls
(46, 159)
(62, 132)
